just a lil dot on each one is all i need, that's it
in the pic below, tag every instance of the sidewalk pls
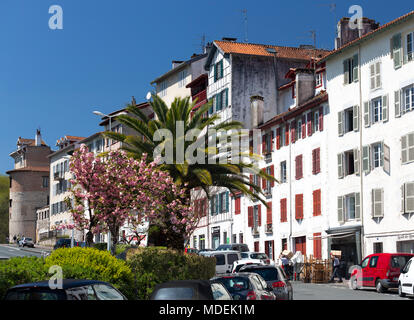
(344, 283)
(37, 249)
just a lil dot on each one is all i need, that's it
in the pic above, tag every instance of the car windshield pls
(269, 274)
(234, 284)
(174, 294)
(399, 261)
(258, 256)
(32, 295)
(224, 247)
(244, 255)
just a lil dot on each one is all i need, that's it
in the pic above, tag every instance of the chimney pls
(346, 34)
(229, 39)
(256, 110)
(38, 138)
(208, 47)
(176, 63)
(305, 85)
(133, 101)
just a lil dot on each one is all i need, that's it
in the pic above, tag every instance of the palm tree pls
(192, 175)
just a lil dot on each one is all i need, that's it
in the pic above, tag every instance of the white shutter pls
(397, 54)
(387, 164)
(372, 76)
(341, 123)
(340, 165)
(357, 206)
(366, 164)
(377, 203)
(410, 144)
(356, 117)
(355, 68)
(356, 161)
(403, 198)
(341, 209)
(367, 117)
(397, 103)
(404, 149)
(409, 197)
(378, 75)
(385, 108)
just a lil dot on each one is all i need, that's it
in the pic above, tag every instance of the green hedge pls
(93, 264)
(154, 265)
(21, 270)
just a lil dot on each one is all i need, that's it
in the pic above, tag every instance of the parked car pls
(247, 286)
(71, 290)
(258, 256)
(406, 280)
(224, 260)
(242, 247)
(62, 243)
(205, 252)
(191, 250)
(26, 242)
(380, 271)
(274, 277)
(190, 290)
(237, 265)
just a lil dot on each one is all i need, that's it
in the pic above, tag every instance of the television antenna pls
(244, 12)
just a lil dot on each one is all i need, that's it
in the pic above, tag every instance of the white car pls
(406, 279)
(26, 242)
(224, 260)
(237, 265)
(258, 257)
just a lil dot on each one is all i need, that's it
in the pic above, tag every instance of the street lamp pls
(98, 113)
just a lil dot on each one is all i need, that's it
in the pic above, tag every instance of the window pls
(316, 121)
(10, 203)
(283, 210)
(283, 172)
(375, 75)
(349, 120)
(349, 207)
(221, 100)
(376, 110)
(282, 136)
(377, 203)
(177, 293)
(182, 78)
(407, 197)
(373, 156)
(351, 69)
(219, 292)
(319, 78)
(163, 88)
(298, 129)
(373, 262)
(377, 155)
(257, 219)
(376, 106)
(218, 70)
(299, 168)
(409, 47)
(364, 263)
(408, 99)
(396, 53)
(378, 247)
(407, 148)
(45, 182)
(267, 143)
(349, 163)
(213, 205)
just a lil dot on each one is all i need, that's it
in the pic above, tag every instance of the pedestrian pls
(14, 238)
(336, 269)
(285, 264)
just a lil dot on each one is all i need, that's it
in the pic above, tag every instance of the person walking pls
(285, 264)
(336, 269)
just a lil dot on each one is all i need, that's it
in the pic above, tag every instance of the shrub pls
(93, 264)
(154, 265)
(21, 270)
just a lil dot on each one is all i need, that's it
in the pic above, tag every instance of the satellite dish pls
(149, 95)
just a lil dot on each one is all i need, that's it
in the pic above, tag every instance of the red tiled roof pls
(30, 142)
(33, 169)
(260, 50)
(369, 34)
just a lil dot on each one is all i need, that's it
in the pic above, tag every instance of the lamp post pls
(98, 113)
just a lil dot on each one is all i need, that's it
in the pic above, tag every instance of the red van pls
(379, 271)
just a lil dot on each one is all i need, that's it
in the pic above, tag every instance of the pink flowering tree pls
(110, 191)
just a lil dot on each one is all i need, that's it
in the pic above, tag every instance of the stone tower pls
(29, 185)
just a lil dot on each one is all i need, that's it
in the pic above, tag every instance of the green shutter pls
(340, 209)
(396, 51)
(227, 97)
(215, 72)
(355, 68)
(227, 201)
(217, 203)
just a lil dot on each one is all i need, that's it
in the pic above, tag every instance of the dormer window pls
(318, 79)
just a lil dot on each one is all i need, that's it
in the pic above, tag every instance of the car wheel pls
(379, 287)
(354, 283)
(400, 293)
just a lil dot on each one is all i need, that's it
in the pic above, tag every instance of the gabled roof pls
(369, 35)
(293, 53)
(29, 142)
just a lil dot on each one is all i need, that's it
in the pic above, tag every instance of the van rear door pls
(397, 262)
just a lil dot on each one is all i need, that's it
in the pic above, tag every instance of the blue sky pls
(110, 50)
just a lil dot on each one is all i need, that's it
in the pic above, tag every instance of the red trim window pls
(299, 206)
(237, 205)
(250, 216)
(317, 245)
(269, 213)
(293, 131)
(277, 138)
(299, 167)
(259, 213)
(321, 119)
(303, 127)
(309, 123)
(272, 173)
(317, 203)
(283, 210)
(316, 161)
(319, 80)
(287, 135)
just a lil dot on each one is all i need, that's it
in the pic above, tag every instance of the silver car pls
(26, 242)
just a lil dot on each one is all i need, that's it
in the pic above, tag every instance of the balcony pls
(255, 231)
(201, 98)
(269, 228)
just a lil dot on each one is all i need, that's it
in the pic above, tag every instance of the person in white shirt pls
(336, 269)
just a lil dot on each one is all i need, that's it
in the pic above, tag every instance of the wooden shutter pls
(219, 201)
(215, 72)
(287, 135)
(340, 165)
(283, 210)
(272, 173)
(403, 198)
(278, 138)
(321, 119)
(317, 246)
(367, 114)
(250, 216)
(309, 123)
(251, 182)
(227, 97)
(396, 49)
(299, 173)
(409, 197)
(269, 213)
(404, 149)
(259, 213)
(397, 104)
(356, 161)
(341, 209)
(372, 76)
(377, 203)
(355, 68)
(357, 206)
(303, 127)
(355, 115)
(237, 205)
(313, 161)
(264, 151)
(227, 201)
(272, 138)
(385, 108)
(346, 71)
(366, 163)
(264, 181)
(293, 131)
(299, 206)
(340, 123)
(378, 74)
(318, 160)
(387, 165)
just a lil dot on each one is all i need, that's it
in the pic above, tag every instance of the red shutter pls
(318, 160)
(317, 246)
(309, 124)
(237, 202)
(256, 246)
(287, 135)
(299, 173)
(283, 210)
(272, 173)
(264, 180)
(299, 206)
(264, 144)
(251, 182)
(293, 131)
(267, 248)
(269, 213)
(303, 127)
(314, 202)
(278, 138)
(272, 140)
(321, 119)
(250, 216)
(259, 213)
(318, 210)
(313, 161)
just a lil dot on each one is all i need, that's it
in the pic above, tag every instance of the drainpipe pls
(360, 241)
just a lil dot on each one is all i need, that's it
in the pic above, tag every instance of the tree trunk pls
(89, 239)
(114, 238)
